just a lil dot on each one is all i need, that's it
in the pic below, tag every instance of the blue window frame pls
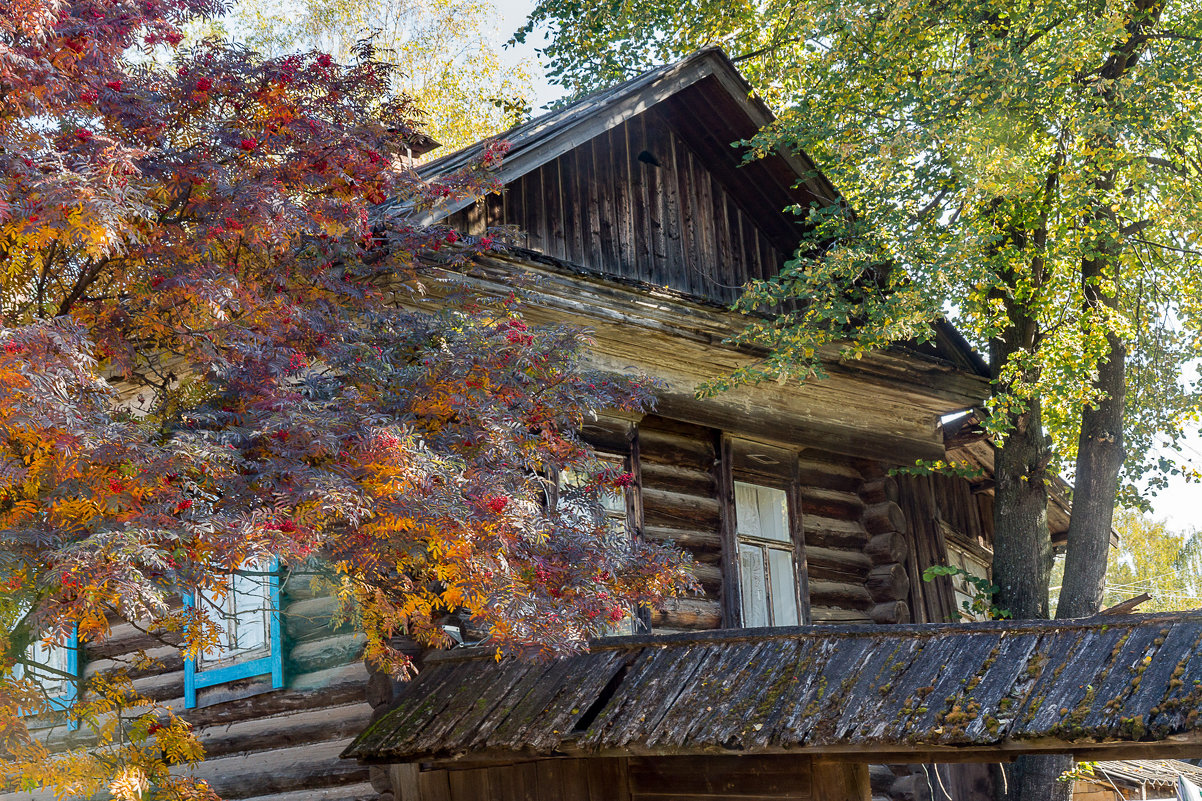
(249, 614)
(62, 690)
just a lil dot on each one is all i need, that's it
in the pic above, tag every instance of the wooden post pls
(841, 781)
(732, 605)
(798, 533)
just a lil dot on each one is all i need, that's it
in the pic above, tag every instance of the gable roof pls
(1121, 686)
(545, 138)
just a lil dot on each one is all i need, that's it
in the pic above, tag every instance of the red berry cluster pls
(516, 332)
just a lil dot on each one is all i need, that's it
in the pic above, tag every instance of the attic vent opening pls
(762, 458)
(647, 157)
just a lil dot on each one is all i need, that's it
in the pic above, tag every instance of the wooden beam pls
(732, 591)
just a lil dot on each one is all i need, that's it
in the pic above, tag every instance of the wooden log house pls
(640, 223)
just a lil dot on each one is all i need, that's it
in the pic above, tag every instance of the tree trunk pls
(1100, 451)
(1037, 778)
(1099, 458)
(1022, 559)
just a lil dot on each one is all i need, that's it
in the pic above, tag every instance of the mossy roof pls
(1125, 686)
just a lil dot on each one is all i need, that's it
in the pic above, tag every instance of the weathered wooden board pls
(1086, 685)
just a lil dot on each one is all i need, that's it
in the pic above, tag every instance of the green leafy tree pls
(446, 53)
(1032, 169)
(1152, 558)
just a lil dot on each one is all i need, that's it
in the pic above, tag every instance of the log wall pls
(262, 744)
(679, 472)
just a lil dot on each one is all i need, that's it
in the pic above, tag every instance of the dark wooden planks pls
(706, 777)
(679, 217)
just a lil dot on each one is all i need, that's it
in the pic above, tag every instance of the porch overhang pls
(1112, 687)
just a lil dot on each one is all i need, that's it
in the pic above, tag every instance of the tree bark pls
(1100, 456)
(1022, 560)
(1038, 778)
(1022, 544)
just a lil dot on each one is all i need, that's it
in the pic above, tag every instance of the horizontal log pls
(663, 447)
(128, 638)
(880, 490)
(709, 576)
(688, 614)
(327, 652)
(890, 612)
(165, 659)
(888, 583)
(838, 504)
(830, 614)
(161, 686)
(312, 618)
(837, 564)
(887, 548)
(884, 517)
(281, 769)
(299, 585)
(826, 532)
(675, 478)
(815, 472)
(607, 436)
(280, 731)
(662, 508)
(695, 540)
(347, 792)
(344, 684)
(839, 594)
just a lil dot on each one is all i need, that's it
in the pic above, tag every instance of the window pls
(55, 668)
(613, 506)
(248, 613)
(966, 593)
(767, 571)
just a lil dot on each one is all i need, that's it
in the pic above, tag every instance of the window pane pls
(747, 510)
(54, 657)
(755, 589)
(774, 514)
(965, 592)
(762, 512)
(784, 593)
(249, 606)
(244, 615)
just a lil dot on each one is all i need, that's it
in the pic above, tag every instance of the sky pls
(512, 14)
(1180, 504)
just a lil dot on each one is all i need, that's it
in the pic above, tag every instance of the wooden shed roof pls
(1126, 686)
(1161, 773)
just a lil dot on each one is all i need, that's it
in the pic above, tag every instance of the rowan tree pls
(217, 347)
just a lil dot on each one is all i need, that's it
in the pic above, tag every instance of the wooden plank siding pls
(748, 778)
(640, 203)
